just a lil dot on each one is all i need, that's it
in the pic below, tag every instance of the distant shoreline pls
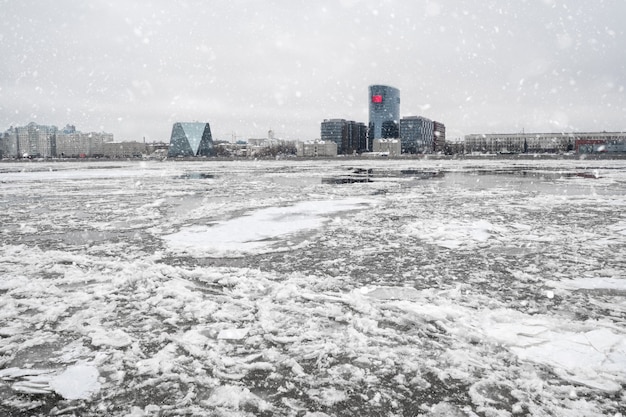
(592, 156)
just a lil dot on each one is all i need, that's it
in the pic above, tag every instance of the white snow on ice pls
(591, 354)
(258, 230)
(77, 382)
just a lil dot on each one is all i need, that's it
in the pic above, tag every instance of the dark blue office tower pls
(384, 113)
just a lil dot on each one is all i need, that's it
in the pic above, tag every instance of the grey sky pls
(134, 68)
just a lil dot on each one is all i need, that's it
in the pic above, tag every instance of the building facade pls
(357, 131)
(191, 139)
(417, 134)
(519, 143)
(316, 148)
(384, 113)
(124, 149)
(42, 141)
(32, 140)
(389, 147)
(604, 142)
(439, 136)
(581, 142)
(79, 144)
(349, 136)
(4, 145)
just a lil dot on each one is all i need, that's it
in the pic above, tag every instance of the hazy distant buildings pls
(519, 143)
(8, 144)
(581, 142)
(42, 141)
(349, 136)
(127, 149)
(316, 148)
(384, 113)
(32, 140)
(191, 139)
(604, 142)
(71, 143)
(3, 141)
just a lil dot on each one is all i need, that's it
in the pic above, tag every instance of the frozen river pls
(313, 288)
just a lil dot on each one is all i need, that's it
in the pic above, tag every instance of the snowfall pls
(342, 287)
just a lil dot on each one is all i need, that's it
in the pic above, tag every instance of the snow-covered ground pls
(313, 288)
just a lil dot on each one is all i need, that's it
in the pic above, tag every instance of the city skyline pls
(248, 68)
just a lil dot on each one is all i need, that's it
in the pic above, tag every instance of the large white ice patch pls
(258, 231)
(77, 382)
(595, 358)
(591, 354)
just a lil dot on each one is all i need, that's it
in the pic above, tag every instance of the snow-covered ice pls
(77, 382)
(256, 231)
(492, 288)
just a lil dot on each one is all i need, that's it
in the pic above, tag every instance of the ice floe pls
(77, 382)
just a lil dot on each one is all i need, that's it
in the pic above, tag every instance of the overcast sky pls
(133, 68)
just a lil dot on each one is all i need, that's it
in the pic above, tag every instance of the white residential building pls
(316, 148)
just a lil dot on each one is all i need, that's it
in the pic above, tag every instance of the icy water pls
(313, 288)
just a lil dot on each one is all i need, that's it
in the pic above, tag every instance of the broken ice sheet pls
(595, 358)
(591, 354)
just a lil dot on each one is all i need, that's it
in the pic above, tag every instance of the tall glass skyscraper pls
(384, 113)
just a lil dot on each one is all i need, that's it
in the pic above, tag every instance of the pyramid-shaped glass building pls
(191, 139)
